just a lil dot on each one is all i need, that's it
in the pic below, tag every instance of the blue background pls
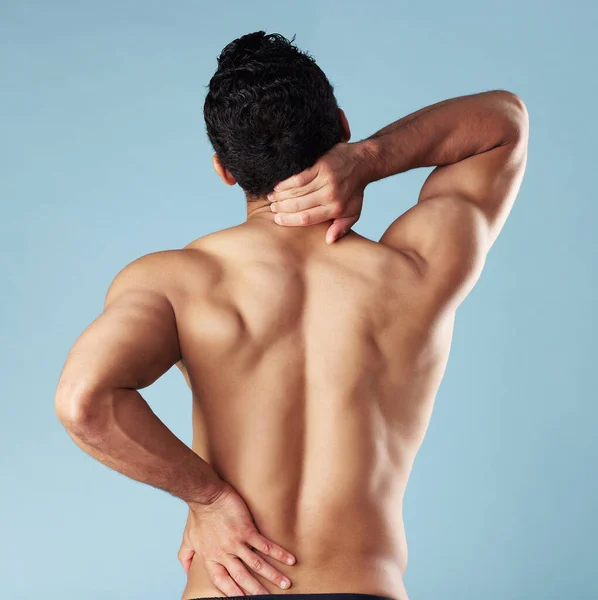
(104, 158)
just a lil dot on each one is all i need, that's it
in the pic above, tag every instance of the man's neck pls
(259, 208)
(260, 214)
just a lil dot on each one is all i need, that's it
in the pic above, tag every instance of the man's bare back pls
(313, 370)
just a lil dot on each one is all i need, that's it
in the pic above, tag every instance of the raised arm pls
(478, 144)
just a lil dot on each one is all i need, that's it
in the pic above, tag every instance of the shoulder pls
(219, 244)
(162, 273)
(446, 237)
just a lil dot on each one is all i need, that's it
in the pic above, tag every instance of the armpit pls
(183, 369)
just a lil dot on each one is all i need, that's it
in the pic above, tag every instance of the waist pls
(315, 596)
(345, 573)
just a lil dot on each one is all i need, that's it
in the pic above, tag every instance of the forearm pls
(441, 134)
(122, 432)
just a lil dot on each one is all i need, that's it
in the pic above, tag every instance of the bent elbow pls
(519, 116)
(515, 117)
(78, 407)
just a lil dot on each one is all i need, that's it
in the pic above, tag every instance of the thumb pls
(185, 555)
(339, 228)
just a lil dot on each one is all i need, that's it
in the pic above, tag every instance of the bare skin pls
(342, 425)
(314, 366)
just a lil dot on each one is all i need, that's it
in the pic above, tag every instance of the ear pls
(345, 125)
(222, 172)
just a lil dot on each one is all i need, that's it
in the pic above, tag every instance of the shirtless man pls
(314, 354)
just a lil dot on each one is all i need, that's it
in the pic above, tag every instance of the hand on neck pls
(259, 212)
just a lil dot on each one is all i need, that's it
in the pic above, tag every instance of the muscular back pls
(313, 377)
(314, 368)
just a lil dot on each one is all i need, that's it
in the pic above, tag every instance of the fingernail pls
(277, 219)
(270, 196)
(284, 584)
(276, 188)
(290, 561)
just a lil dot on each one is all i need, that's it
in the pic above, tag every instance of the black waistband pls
(323, 596)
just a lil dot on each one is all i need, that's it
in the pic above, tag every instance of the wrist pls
(366, 154)
(209, 493)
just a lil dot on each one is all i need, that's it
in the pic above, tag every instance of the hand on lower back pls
(223, 536)
(331, 189)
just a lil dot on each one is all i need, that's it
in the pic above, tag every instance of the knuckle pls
(304, 219)
(219, 573)
(266, 547)
(256, 564)
(219, 577)
(330, 194)
(296, 206)
(246, 533)
(336, 209)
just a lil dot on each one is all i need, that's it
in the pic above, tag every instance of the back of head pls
(270, 111)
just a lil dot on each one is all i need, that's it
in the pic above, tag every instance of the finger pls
(241, 576)
(291, 205)
(222, 579)
(298, 180)
(186, 557)
(319, 214)
(339, 228)
(265, 569)
(297, 192)
(259, 542)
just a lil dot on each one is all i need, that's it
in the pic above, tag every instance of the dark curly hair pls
(270, 111)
